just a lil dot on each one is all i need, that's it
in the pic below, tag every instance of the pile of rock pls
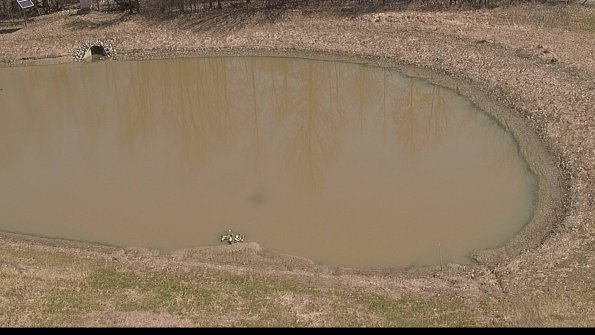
(232, 238)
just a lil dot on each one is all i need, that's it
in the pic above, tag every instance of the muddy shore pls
(536, 77)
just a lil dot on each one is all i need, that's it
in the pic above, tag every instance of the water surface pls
(342, 163)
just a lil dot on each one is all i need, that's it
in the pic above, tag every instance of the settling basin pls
(342, 163)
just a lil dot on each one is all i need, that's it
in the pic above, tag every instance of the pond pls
(342, 163)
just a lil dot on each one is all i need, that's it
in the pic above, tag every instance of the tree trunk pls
(45, 5)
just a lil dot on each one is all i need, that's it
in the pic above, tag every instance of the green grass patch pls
(153, 291)
(407, 312)
(587, 24)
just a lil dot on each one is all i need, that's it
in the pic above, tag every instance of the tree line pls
(10, 9)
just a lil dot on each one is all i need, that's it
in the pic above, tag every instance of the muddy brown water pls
(342, 163)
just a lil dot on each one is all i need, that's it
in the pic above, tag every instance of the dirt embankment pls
(531, 67)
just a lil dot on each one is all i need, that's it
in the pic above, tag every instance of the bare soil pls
(530, 66)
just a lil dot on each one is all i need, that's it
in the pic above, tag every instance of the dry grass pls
(500, 51)
(41, 288)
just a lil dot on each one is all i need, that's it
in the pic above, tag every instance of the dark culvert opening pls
(98, 50)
